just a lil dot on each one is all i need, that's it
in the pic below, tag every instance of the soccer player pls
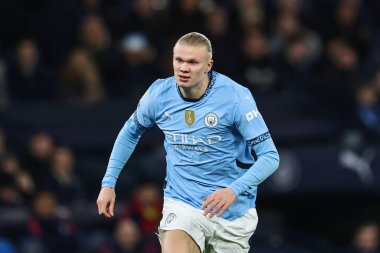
(212, 126)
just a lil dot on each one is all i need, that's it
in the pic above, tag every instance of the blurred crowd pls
(44, 184)
(325, 53)
(89, 51)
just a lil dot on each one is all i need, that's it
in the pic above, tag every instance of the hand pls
(106, 201)
(219, 201)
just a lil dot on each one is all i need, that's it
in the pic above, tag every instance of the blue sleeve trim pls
(259, 139)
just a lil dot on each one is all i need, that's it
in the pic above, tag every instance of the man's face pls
(191, 65)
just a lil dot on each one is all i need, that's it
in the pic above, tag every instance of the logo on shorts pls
(211, 119)
(170, 218)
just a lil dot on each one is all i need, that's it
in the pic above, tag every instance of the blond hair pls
(197, 40)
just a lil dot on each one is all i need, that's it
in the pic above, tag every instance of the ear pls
(209, 65)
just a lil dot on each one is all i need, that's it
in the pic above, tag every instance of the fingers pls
(208, 205)
(221, 212)
(218, 202)
(216, 209)
(111, 208)
(208, 200)
(212, 203)
(105, 211)
(101, 207)
(106, 203)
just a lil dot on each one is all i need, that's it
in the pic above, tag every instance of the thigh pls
(178, 241)
(233, 236)
(178, 216)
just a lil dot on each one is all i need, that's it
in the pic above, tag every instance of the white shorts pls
(213, 235)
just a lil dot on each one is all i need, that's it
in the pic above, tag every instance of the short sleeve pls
(248, 119)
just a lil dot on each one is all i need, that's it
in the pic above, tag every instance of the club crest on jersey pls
(211, 119)
(189, 117)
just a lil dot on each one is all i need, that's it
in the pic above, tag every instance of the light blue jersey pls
(208, 142)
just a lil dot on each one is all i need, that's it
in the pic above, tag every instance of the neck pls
(196, 91)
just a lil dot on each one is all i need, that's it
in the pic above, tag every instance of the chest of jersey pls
(201, 126)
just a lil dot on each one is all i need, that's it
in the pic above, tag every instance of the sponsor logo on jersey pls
(178, 138)
(191, 142)
(189, 117)
(252, 114)
(211, 119)
(259, 139)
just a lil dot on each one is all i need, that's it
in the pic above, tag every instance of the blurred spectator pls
(126, 239)
(301, 10)
(286, 28)
(366, 239)
(38, 154)
(288, 7)
(296, 65)
(219, 31)
(61, 179)
(23, 181)
(28, 77)
(348, 24)
(250, 13)
(368, 104)
(112, 12)
(97, 41)
(149, 17)
(145, 208)
(338, 77)
(80, 79)
(47, 228)
(259, 74)
(140, 68)
(9, 195)
(186, 16)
